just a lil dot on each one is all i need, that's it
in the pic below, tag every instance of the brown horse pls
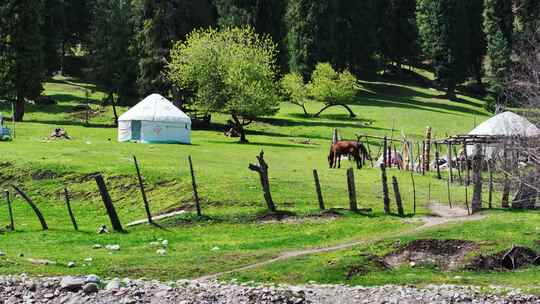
(351, 148)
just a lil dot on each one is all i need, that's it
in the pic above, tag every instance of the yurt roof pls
(507, 124)
(155, 108)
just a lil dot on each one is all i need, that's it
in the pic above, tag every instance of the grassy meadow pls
(233, 232)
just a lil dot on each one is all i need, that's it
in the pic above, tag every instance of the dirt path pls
(441, 215)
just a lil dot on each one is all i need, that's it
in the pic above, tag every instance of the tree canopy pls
(230, 71)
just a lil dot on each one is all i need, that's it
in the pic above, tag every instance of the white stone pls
(113, 247)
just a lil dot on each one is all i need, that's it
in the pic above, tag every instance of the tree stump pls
(262, 169)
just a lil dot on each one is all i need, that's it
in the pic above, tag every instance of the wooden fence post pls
(10, 211)
(70, 212)
(33, 206)
(490, 185)
(427, 149)
(352, 190)
(143, 192)
(437, 158)
(414, 192)
(385, 153)
(423, 168)
(449, 197)
(476, 204)
(398, 196)
(107, 201)
(449, 156)
(467, 167)
(505, 202)
(194, 185)
(262, 169)
(318, 189)
(467, 199)
(386, 199)
(369, 152)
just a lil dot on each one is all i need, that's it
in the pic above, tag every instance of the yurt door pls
(136, 130)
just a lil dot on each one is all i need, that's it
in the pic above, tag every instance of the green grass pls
(231, 196)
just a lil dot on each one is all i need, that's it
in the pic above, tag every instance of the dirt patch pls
(514, 258)
(446, 255)
(44, 174)
(270, 216)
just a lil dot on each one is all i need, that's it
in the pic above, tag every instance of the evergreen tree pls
(112, 57)
(528, 15)
(309, 40)
(160, 24)
(498, 25)
(477, 39)
(265, 16)
(53, 33)
(399, 32)
(443, 26)
(21, 52)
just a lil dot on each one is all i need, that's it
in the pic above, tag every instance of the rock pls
(71, 264)
(102, 229)
(154, 243)
(88, 260)
(215, 249)
(161, 252)
(92, 278)
(97, 246)
(113, 284)
(41, 261)
(2, 254)
(165, 243)
(71, 284)
(90, 288)
(113, 247)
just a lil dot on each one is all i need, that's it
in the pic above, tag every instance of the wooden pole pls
(386, 199)
(13, 118)
(33, 206)
(414, 192)
(449, 197)
(385, 155)
(423, 158)
(70, 212)
(398, 196)
(411, 151)
(449, 156)
(476, 204)
(437, 158)
(107, 201)
(427, 149)
(10, 211)
(369, 153)
(429, 191)
(467, 199)
(352, 190)
(389, 157)
(318, 189)
(505, 203)
(467, 168)
(143, 192)
(420, 160)
(490, 185)
(262, 169)
(194, 185)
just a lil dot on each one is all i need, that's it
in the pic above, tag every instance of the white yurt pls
(154, 120)
(505, 124)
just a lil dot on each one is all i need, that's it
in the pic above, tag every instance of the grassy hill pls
(234, 231)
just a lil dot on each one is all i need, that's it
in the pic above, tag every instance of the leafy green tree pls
(112, 57)
(443, 26)
(21, 52)
(159, 24)
(230, 71)
(295, 90)
(333, 88)
(498, 25)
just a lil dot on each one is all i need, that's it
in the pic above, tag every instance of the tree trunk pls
(262, 169)
(451, 89)
(19, 108)
(476, 204)
(351, 113)
(113, 103)
(240, 128)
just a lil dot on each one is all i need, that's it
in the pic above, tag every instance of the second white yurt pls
(154, 120)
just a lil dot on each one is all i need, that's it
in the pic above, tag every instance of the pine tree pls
(21, 52)
(54, 23)
(309, 40)
(112, 57)
(477, 39)
(498, 25)
(160, 24)
(443, 26)
(399, 32)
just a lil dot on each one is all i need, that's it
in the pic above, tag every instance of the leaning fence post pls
(398, 196)
(318, 189)
(352, 190)
(384, 180)
(107, 201)
(414, 192)
(10, 211)
(34, 207)
(385, 152)
(449, 156)
(437, 157)
(262, 169)
(449, 197)
(143, 192)
(194, 184)
(70, 212)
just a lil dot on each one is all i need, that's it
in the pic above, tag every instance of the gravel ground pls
(91, 289)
